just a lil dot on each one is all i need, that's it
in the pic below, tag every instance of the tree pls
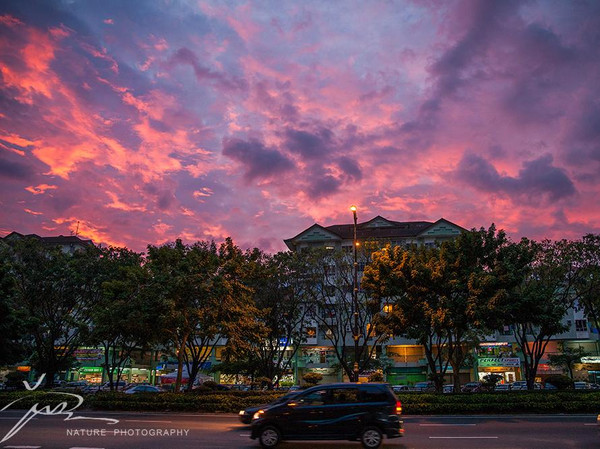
(183, 276)
(444, 297)
(411, 281)
(53, 295)
(204, 299)
(538, 304)
(12, 348)
(473, 288)
(587, 284)
(567, 358)
(331, 275)
(124, 319)
(279, 289)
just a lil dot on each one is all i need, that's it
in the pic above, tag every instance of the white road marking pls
(86, 448)
(21, 447)
(245, 435)
(142, 420)
(463, 438)
(590, 424)
(444, 425)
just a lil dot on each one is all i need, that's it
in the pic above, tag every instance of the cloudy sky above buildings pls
(143, 122)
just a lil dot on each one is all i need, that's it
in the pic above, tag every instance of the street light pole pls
(356, 334)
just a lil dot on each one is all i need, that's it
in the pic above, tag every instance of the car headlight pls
(258, 414)
(242, 412)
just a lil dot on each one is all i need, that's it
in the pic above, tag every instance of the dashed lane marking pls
(143, 420)
(21, 447)
(446, 425)
(463, 438)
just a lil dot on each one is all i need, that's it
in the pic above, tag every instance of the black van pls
(343, 411)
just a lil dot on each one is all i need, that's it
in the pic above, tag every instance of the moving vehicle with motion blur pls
(247, 414)
(342, 411)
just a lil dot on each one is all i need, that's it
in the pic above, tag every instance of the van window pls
(374, 395)
(344, 395)
(314, 398)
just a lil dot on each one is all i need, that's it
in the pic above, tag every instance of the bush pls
(560, 382)
(312, 378)
(566, 401)
(377, 376)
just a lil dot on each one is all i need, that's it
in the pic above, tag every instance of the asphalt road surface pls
(203, 431)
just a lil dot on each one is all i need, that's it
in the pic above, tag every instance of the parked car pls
(581, 385)
(400, 388)
(549, 386)
(117, 386)
(343, 411)
(448, 388)
(247, 414)
(77, 385)
(426, 386)
(502, 387)
(144, 389)
(471, 387)
(519, 385)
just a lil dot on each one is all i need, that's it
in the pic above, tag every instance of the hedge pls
(233, 401)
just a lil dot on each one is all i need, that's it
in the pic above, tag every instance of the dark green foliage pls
(412, 403)
(312, 378)
(377, 376)
(560, 382)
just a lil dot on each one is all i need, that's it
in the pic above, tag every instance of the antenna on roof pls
(77, 229)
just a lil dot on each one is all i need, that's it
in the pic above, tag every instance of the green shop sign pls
(91, 369)
(514, 362)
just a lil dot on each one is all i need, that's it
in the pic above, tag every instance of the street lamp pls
(355, 296)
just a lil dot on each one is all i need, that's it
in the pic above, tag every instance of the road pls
(200, 431)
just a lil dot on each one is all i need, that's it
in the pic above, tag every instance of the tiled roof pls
(397, 229)
(376, 228)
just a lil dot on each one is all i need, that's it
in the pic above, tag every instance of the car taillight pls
(398, 408)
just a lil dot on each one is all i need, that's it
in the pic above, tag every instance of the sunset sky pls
(140, 122)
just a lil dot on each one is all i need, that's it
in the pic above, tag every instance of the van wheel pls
(269, 437)
(371, 437)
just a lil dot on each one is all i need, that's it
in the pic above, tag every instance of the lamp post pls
(355, 333)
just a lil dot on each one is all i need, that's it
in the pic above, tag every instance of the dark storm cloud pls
(484, 20)
(260, 162)
(537, 177)
(15, 170)
(350, 168)
(583, 139)
(310, 145)
(323, 186)
(187, 57)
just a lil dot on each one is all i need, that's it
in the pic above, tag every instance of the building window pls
(581, 326)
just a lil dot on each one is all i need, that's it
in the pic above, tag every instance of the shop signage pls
(88, 353)
(90, 369)
(590, 359)
(499, 361)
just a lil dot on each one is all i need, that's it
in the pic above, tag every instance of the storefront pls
(498, 358)
(330, 375)
(406, 375)
(90, 374)
(508, 367)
